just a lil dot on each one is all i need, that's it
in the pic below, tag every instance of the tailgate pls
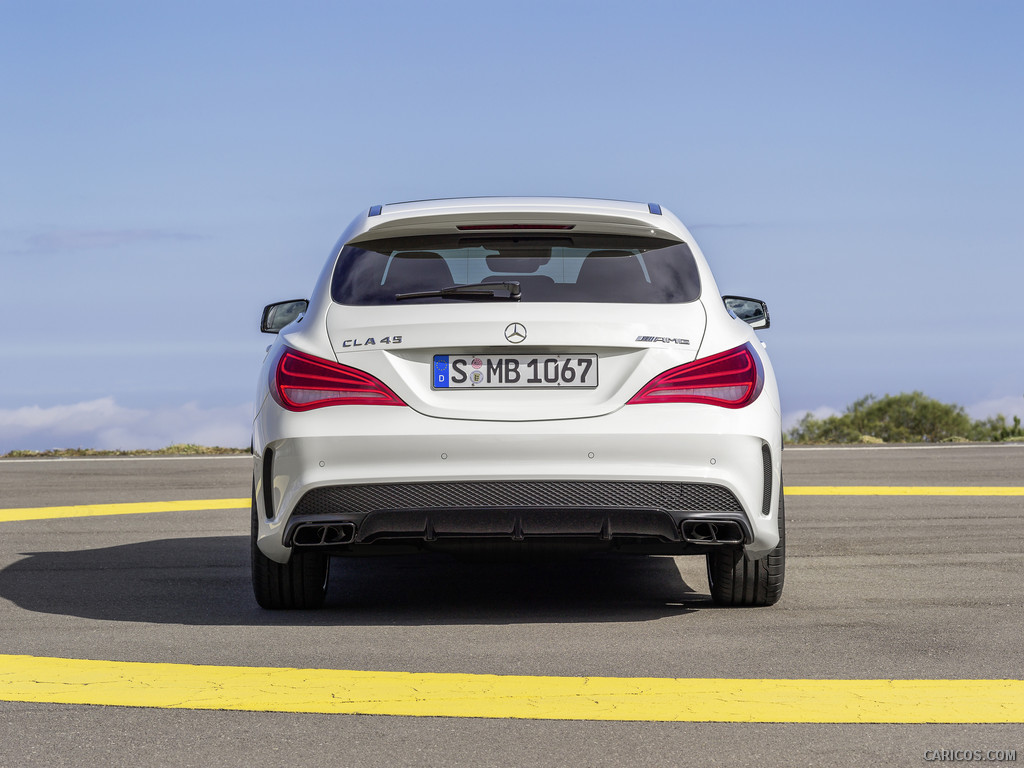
(516, 362)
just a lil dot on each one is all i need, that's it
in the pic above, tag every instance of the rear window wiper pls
(470, 292)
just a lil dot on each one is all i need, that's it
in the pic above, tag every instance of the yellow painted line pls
(135, 508)
(903, 490)
(184, 686)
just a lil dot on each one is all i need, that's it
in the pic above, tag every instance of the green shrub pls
(903, 418)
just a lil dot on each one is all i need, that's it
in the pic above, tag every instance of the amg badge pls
(663, 339)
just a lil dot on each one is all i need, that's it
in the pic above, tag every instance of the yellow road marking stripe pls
(186, 686)
(134, 508)
(902, 490)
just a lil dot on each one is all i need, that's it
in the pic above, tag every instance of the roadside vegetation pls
(903, 418)
(179, 449)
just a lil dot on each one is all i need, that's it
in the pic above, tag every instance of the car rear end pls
(581, 386)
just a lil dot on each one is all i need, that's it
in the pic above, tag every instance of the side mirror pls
(277, 316)
(752, 311)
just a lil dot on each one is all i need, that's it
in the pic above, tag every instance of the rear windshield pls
(594, 268)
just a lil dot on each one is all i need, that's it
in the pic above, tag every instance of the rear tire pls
(299, 583)
(737, 581)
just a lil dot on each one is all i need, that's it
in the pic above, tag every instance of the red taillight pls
(729, 379)
(302, 382)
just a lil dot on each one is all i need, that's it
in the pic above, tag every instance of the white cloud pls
(1007, 406)
(85, 239)
(792, 418)
(104, 424)
(103, 241)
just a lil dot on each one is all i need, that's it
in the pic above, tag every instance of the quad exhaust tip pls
(323, 535)
(712, 531)
(727, 532)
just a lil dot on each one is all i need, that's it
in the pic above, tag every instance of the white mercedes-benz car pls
(517, 375)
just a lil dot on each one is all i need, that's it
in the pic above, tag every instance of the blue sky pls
(168, 169)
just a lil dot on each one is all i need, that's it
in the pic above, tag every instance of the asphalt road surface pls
(877, 587)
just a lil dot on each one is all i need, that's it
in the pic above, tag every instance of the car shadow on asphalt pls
(205, 581)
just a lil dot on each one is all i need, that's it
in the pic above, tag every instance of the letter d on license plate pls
(563, 371)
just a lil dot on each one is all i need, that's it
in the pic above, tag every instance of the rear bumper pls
(691, 516)
(602, 479)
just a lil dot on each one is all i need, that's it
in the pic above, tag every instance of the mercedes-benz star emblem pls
(515, 333)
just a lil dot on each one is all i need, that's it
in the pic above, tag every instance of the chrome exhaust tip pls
(323, 534)
(711, 531)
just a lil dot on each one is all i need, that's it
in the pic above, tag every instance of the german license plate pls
(514, 372)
